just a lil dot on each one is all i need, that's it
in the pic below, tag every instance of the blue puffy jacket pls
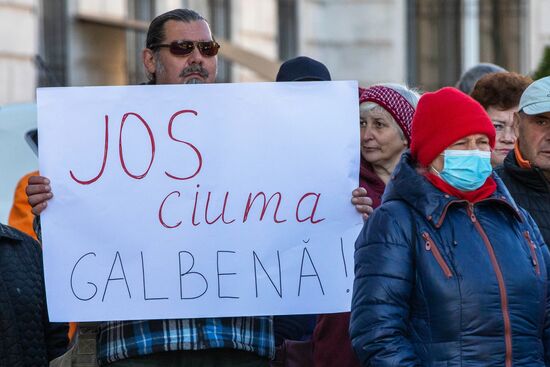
(443, 282)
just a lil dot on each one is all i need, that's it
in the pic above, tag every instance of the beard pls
(191, 69)
(194, 69)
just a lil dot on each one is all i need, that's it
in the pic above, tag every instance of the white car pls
(17, 158)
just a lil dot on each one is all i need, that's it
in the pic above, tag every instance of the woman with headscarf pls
(449, 271)
(386, 112)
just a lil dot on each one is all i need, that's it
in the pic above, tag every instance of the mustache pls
(194, 68)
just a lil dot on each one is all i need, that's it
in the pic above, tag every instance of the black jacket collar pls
(11, 233)
(532, 178)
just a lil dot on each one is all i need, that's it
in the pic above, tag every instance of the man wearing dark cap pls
(303, 69)
(293, 331)
(526, 169)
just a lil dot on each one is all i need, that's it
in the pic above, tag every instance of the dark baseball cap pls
(302, 68)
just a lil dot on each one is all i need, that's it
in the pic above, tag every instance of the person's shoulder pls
(397, 209)
(532, 227)
(509, 164)
(11, 234)
(502, 174)
(392, 221)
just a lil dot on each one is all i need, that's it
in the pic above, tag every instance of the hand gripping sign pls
(199, 201)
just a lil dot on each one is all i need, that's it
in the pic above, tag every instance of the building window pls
(135, 41)
(288, 29)
(52, 59)
(220, 21)
(433, 43)
(501, 23)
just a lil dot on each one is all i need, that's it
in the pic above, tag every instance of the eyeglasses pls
(184, 48)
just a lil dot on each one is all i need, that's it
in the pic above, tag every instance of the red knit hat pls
(442, 118)
(393, 102)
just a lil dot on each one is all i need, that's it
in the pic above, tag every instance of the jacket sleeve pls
(384, 280)
(37, 227)
(546, 335)
(539, 241)
(55, 334)
(21, 216)
(57, 340)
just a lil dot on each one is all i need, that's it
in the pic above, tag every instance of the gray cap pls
(536, 98)
(469, 78)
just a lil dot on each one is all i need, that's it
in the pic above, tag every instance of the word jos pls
(303, 209)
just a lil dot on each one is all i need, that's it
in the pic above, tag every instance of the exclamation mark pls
(344, 259)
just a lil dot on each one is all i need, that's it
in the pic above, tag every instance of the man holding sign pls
(180, 50)
(252, 220)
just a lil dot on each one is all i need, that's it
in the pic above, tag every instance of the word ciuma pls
(305, 207)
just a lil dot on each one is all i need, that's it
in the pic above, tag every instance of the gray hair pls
(410, 94)
(470, 77)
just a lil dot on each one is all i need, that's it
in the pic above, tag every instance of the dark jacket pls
(442, 282)
(27, 338)
(530, 189)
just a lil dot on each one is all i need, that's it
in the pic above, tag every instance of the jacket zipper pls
(432, 247)
(442, 218)
(532, 248)
(501, 286)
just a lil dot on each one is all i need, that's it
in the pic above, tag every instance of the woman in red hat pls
(449, 271)
(386, 113)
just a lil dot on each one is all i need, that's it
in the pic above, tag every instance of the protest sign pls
(181, 201)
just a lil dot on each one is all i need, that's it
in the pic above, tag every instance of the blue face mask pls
(466, 170)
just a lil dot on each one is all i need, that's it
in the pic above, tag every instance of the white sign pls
(213, 200)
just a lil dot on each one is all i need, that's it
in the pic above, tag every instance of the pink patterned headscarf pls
(393, 102)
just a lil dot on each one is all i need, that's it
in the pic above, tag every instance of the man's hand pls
(363, 203)
(38, 193)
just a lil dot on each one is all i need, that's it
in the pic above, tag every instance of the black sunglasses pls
(184, 48)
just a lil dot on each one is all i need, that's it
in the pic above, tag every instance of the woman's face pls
(381, 139)
(503, 120)
(471, 142)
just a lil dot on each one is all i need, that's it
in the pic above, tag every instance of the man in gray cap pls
(526, 169)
